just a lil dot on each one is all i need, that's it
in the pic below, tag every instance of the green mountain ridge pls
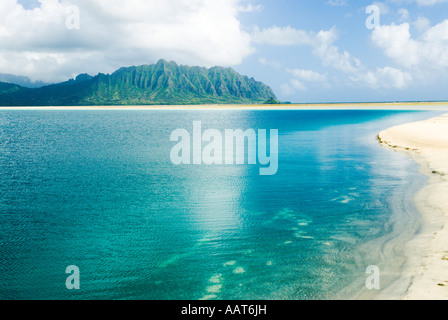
(163, 83)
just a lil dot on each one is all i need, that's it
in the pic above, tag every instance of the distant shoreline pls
(417, 106)
(427, 142)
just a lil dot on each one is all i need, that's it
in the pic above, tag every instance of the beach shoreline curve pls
(427, 267)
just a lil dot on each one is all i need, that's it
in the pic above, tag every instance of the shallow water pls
(97, 189)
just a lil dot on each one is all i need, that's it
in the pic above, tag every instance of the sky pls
(306, 51)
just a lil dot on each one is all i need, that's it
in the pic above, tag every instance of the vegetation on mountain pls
(163, 83)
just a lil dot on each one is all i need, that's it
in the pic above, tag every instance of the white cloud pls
(281, 36)
(386, 77)
(300, 76)
(330, 54)
(308, 75)
(429, 2)
(270, 63)
(384, 8)
(404, 14)
(250, 8)
(422, 24)
(420, 2)
(292, 87)
(117, 33)
(397, 44)
(337, 3)
(296, 84)
(429, 51)
(323, 46)
(423, 57)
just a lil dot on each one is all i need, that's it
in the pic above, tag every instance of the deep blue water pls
(97, 189)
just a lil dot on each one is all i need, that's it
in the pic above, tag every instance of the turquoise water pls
(97, 189)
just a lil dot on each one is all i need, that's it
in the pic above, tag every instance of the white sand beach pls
(427, 142)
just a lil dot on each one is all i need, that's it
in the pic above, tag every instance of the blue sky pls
(273, 63)
(307, 51)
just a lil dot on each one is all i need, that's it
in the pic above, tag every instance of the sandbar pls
(427, 142)
(411, 106)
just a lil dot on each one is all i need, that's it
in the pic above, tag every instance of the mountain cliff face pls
(164, 83)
